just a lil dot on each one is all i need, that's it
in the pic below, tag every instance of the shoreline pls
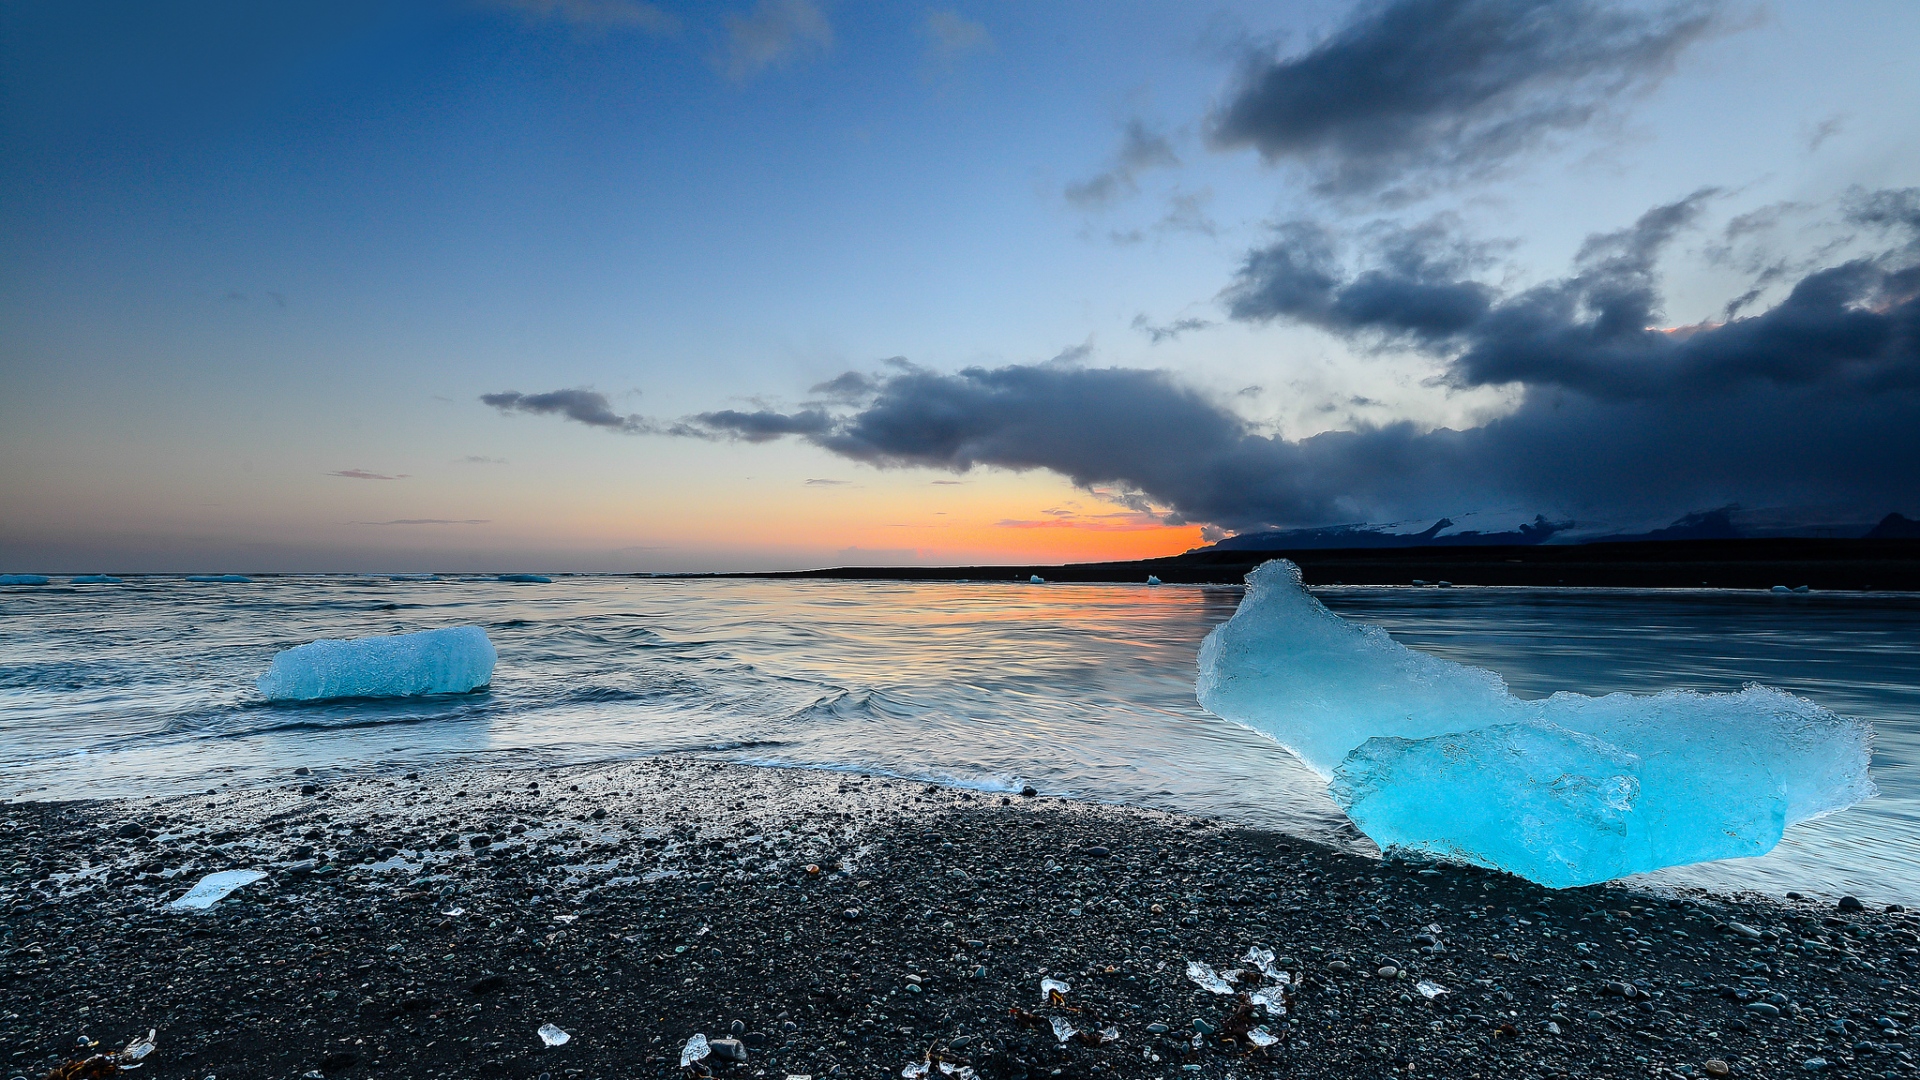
(428, 926)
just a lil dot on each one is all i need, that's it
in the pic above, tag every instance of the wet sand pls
(429, 925)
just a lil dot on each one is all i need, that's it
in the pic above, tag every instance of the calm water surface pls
(1085, 690)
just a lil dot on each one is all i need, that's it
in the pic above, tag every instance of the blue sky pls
(258, 260)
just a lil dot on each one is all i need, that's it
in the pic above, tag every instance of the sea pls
(146, 688)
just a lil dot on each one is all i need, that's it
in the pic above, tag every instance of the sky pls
(623, 286)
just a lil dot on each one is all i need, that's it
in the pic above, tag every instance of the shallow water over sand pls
(1082, 690)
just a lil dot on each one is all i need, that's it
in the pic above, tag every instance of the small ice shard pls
(450, 661)
(1271, 998)
(221, 579)
(1260, 1036)
(214, 888)
(1261, 959)
(1153, 579)
(1436, 759)
(1430, 989)
(1061, 1029)
(23, 579)
(94, 579)
(695, 1050)
(553, 1036)
(526, 579)
(1201, 974)
(1049, 988)
(1036, 579)
(138, 1048)
(912, 1072)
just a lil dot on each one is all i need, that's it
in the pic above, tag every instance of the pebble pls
(1387, 971)
(728, 1049)
(1850, 903)
(1716, 1067)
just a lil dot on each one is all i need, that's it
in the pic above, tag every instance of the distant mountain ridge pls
(1717, 524)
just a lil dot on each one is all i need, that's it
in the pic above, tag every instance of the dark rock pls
(1850, 903)
(729, 1049)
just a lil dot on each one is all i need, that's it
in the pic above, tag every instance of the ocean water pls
(1083, 690)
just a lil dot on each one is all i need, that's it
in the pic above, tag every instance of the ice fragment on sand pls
(1260, 1036)
(23, 579)
(553, 1036)
(1435, 758)
(1201, 974)
(1430, 989)
(1051, 987)
(450, 661)
(1061, 1029)
(695, 1050)
(214, 888)
(1262, 960)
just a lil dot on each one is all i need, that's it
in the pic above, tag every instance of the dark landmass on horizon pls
(1824, 564)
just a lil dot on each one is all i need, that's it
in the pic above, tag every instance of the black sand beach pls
(428, 926)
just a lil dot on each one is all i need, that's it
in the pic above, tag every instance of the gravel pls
(811, 923)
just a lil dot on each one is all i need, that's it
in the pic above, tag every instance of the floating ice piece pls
(23, 579)
(412, 577)
(1050, 987)
(526, 579)
(1153, 579)
(1434, 758)
(225, 579)
(1430, 989)
(94, 579)
(553, 1036)
(1061, 1029)
(1036, 579)
(214, 888)
(1201, 974)
(695, 1050)
(450, 661)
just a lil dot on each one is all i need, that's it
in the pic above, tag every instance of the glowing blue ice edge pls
(1433, 758)
(450, 661)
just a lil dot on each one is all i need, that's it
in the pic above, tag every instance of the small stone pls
(1203, 1027)
(303, 771)
(1814, 1064)
(1764, 1008)
(309, 789)
(1338, 967)
(1850, 903)
(1097, 851)
(852, 914)
(1387, 971)
(728, 1049)
(1157, 1029)
(1716, 1067)
(737, 1028)
(1029, 791)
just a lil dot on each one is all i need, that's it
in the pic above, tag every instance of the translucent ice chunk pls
(1153, 579)
(1260, 1036)
(1261, 959)
(1201, 974)
(527, 579)
(450, 661)
(1430, 989)
(214, 888)
(1051, 987)
(695, 1050)
(553, 1036)
(1036, 579)
(1433, 757)
(1062, 1030)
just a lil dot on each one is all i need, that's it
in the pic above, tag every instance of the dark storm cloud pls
(1418, 291)
(1597, 331)
(1410, 91)
(1816, 400)
(579, 405)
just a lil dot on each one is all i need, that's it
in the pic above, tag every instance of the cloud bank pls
(1813, 401)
